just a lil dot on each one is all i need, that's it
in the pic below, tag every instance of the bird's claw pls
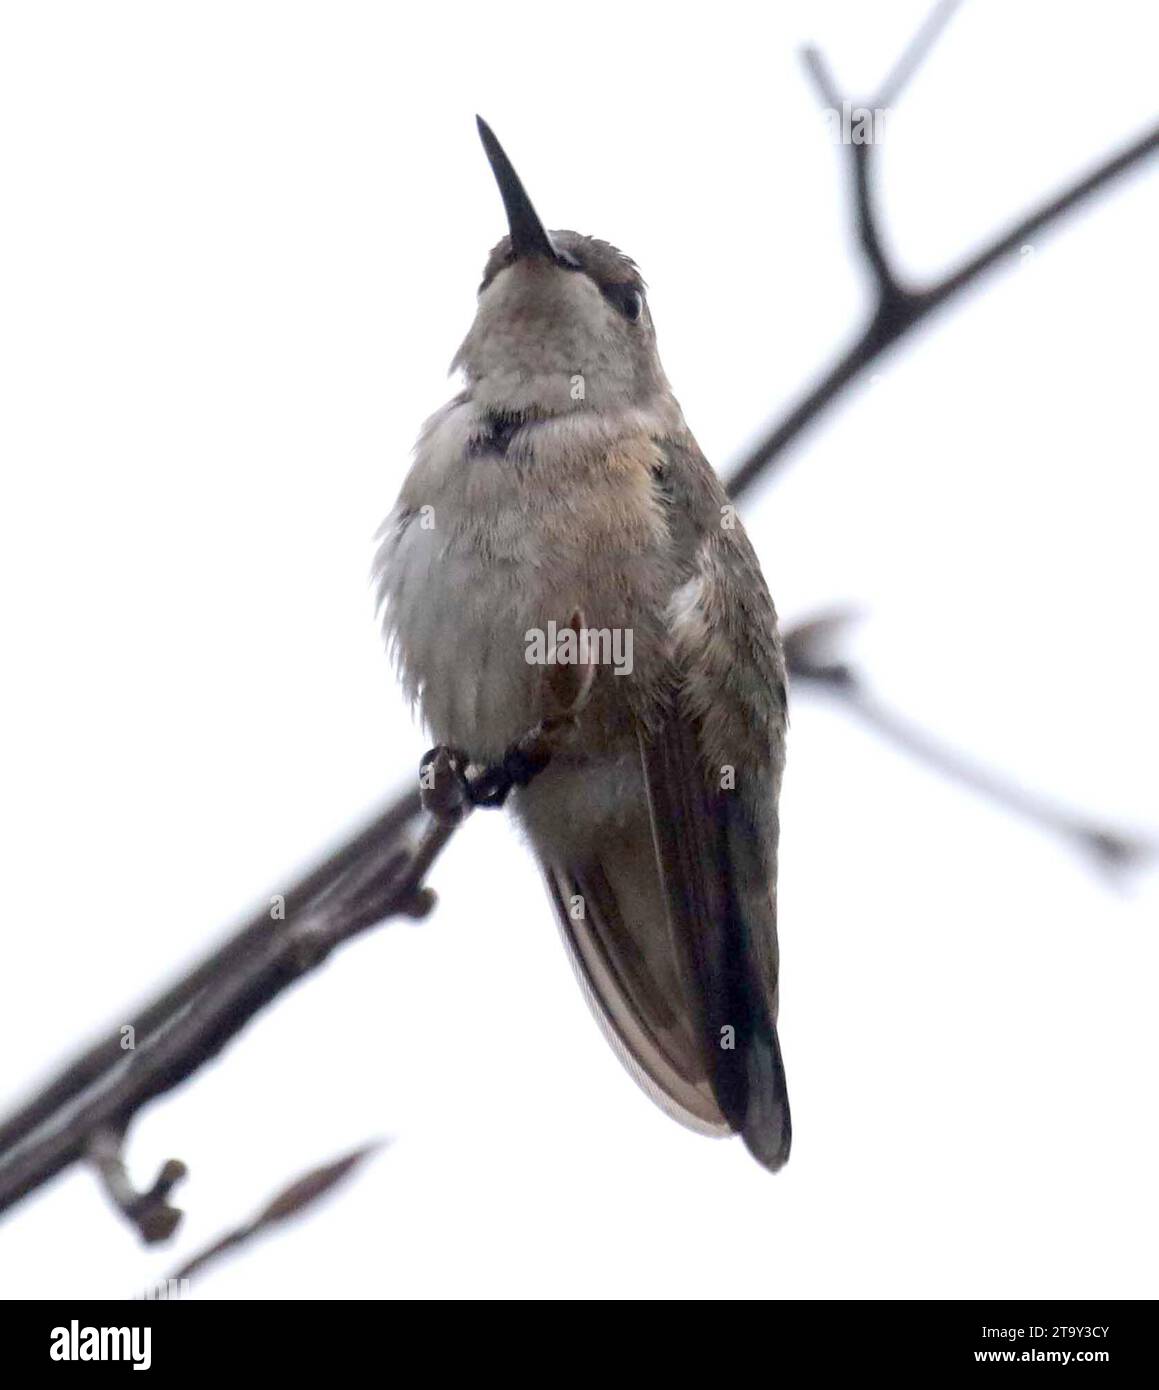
(447, 786)
(443, 784)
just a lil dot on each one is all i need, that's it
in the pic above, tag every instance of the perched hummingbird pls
(563, 481)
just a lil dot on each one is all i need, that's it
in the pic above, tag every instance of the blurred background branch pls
(898, 307)
(811, 650)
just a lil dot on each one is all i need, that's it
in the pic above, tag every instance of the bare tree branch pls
(201, 1027)
(357, 891)
(812, 661)
(899, 307)
(362, 848)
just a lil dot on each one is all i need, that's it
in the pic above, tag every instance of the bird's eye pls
(627, 299)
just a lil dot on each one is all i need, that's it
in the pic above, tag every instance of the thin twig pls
(149, 1210)
(812, 660)
(916, 52)
(302, 1193)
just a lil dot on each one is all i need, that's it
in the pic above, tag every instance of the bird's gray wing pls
(712, 766)
(614, 920)
(670, 917)
(721, 912)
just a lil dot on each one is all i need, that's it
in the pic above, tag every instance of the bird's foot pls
(448, 782)
(493, 785)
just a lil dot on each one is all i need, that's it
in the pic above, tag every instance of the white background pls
(239, 246)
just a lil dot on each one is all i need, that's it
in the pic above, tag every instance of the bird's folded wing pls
(613, 915)
(714, 870)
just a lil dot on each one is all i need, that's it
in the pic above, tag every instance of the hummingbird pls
(561, 486)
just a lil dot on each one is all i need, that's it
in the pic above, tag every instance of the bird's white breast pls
(486, 547)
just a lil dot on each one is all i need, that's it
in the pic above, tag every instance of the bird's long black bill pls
(528, 234)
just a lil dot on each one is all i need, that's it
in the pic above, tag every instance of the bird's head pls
(562, 322)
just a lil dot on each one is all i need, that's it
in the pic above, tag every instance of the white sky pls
(240, 244)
